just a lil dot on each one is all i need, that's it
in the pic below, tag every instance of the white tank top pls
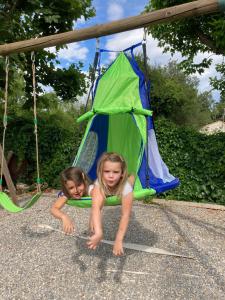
(126, 190)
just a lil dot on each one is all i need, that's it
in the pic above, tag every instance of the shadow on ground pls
(136, 234)
(200, 255)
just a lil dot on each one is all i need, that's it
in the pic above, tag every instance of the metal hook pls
(97, 44)
(144, 35)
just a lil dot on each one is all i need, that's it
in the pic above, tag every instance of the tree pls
(174, 95)
(219, 110)
(205, 34)
(27, 19)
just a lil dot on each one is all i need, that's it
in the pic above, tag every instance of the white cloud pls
(73, 52)
(51, 49)
(46, 88)
(123, 40)
(79, 21)
(156, 55)
(114, 11)
(204, 82)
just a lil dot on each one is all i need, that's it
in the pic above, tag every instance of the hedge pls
(196, 159)
(57, 146)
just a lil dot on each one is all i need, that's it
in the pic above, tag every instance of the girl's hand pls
(118, 248)
(94, 240)
(68, 226)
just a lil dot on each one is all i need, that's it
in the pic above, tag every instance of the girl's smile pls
(75, 191)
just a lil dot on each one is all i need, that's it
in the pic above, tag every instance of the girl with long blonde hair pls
(112, 179)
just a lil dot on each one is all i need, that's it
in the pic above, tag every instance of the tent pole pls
(148, 97)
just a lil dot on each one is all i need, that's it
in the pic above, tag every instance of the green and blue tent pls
(120, 120)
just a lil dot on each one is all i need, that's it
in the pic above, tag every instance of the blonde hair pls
(76, 175)
(112, 157)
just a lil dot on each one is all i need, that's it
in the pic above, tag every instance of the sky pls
(111, 10)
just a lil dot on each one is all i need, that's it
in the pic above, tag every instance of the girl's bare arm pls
(127, 202)
(96, 220)
(68, 225)
(57, 206)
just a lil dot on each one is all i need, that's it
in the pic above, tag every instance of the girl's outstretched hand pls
(68, 226)
(118, 248)
(94, 240)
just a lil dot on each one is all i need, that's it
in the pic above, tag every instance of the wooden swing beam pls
(190, 9)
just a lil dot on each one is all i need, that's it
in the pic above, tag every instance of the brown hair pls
(75, 174)
(112, 157)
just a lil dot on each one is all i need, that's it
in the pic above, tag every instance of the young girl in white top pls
(75, 184)
(112, 180)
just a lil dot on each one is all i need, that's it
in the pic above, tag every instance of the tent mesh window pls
(88, 155)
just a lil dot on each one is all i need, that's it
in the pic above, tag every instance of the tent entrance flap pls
(124, 138)
(93, 145)
(112, 133)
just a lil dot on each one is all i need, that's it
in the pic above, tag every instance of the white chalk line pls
(129, 272)
(137, 247)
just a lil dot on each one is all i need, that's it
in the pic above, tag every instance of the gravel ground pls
(43, 264)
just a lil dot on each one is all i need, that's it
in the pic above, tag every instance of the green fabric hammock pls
(110, 201)
(7, 203)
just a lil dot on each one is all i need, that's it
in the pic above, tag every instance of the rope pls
(92, 77)
(95, 64)
(35, 121)
(4, 116)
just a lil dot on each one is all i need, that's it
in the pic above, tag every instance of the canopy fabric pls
(118, 87)
(120, 120)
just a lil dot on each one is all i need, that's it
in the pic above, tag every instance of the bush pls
(57, 145)
(197, 160)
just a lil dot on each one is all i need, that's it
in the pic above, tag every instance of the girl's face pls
(75, 191)
(111, 173)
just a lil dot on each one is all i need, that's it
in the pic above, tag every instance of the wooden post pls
(190, 9)
(7, 176)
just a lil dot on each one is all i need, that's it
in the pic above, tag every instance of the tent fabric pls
(120, 120)
(118, 87)
(119, 126)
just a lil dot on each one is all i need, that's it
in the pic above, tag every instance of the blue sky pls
(111, 10)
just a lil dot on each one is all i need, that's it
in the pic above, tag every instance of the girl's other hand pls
(118, 248)
(68, 225)
(94, 240)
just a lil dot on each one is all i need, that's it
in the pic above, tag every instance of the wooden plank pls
(190, 9)
(7, 176)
